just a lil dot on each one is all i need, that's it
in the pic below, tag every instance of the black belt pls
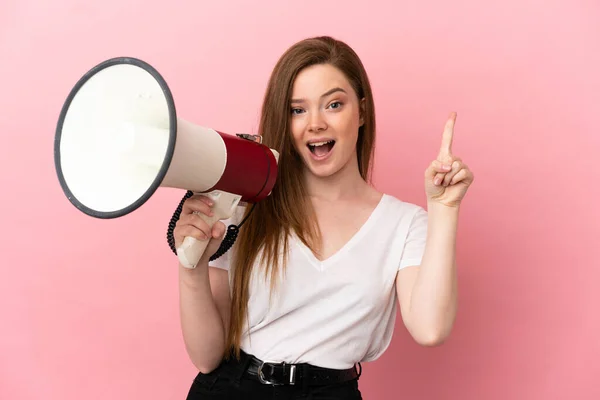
(295, 374)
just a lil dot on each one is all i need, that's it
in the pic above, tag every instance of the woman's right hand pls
(190, 223)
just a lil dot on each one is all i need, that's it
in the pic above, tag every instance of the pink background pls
(83, 317)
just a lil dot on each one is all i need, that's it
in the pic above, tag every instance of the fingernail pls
(436, 181)
(447, 167)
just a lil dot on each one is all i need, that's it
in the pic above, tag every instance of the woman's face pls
(325, 117)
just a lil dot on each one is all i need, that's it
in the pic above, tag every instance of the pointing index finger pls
(447, 136)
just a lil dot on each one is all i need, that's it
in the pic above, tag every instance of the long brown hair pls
(287, 210)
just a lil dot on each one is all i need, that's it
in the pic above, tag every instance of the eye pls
(335, 105)
(296, 111)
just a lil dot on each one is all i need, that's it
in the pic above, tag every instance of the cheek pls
(297, 131)
(348, 126)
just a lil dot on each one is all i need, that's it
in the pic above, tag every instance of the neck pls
(346, 183)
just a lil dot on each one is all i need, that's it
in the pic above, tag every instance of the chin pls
(327, 169)
(322, 172)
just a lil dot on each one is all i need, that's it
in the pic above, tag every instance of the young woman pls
(310, 289)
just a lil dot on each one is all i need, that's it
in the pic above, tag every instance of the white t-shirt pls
(340, 311)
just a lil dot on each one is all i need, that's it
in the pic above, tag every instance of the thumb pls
(436, 168)
(218, 230)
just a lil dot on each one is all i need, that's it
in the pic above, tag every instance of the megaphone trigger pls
(247, 136)
(191, 250)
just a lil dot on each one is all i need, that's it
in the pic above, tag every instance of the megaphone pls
(118, 139)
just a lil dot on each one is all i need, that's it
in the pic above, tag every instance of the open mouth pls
(321, 149)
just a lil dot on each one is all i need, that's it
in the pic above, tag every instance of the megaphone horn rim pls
(170, 146)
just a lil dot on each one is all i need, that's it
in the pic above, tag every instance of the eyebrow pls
(327, 93)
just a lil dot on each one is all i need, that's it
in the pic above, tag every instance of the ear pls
(361, 120)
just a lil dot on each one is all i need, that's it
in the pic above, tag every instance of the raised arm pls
(204, 313)
(428, 293)
(204, 295)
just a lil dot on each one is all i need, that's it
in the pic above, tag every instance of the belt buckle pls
(265, 381)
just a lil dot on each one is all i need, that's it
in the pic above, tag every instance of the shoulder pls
(400, 221)
(411, 230)
(408, 220)
(397, 207)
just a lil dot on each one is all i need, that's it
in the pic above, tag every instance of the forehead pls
(315, 80)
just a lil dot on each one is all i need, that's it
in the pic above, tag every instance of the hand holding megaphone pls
(119, 139)
(198, 231)
(194, 228)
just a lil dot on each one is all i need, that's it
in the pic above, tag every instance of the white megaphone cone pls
(119, 139)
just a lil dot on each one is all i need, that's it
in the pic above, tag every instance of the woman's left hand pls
(447, 178)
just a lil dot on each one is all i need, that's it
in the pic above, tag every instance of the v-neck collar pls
(322, 265)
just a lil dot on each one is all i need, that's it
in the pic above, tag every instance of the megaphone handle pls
(191, 249)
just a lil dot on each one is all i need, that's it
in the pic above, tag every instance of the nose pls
(316, 123)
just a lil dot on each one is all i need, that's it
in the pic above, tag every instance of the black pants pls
(230, 381)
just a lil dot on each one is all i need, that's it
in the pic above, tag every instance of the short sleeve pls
(224, 261)
(414, 246)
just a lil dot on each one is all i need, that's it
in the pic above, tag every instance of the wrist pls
(194, 277)
(442, 218)
(436, 206)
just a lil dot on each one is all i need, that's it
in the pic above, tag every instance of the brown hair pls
(287, 209)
